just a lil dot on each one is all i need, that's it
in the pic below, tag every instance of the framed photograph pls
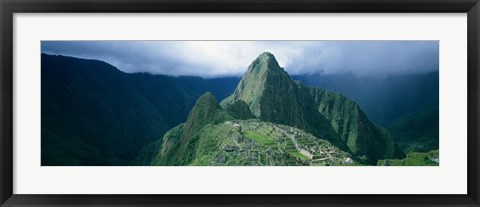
(239, 103)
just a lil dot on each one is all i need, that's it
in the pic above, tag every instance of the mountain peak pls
(263, 78)
(207, 97)
(203, 110)
(264, 62)
(206, 111)
(266, 55)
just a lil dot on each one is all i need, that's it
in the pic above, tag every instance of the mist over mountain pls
(383, 98)
(386, 78)
(228, 58)
(407, 105)
(418, 131)
(274, 97)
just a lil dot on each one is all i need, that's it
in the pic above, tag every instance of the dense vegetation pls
(268, 93)
(212, 137)
(383, 97)
(94, 114)
(430, 158)
(407, 105)
(418, 131)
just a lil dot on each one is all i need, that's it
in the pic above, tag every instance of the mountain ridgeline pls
(383, 97)
(407, 105)
(271, 119)
(95, 114)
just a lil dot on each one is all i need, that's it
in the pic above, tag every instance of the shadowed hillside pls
(94, 114)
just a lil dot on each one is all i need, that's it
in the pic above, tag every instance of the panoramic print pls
(240, 103)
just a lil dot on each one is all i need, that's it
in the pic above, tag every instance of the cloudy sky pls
(231, 58)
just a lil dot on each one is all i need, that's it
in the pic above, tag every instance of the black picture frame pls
(9, 7)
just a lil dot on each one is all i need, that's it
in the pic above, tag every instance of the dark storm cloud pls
(226, 58)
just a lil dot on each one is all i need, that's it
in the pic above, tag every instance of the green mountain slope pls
(239, 109)
(90, 105)
(293, 125)
(206, 111)
(362, 137)
(382, 98)
(212, 137)
(94, 114)
(273, 96)
(430, 158)
(418, 131)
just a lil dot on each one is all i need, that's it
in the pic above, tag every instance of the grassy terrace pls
(268, 141)
(290, 147)
(412, 159)
(273, 145)
(298, 154)
(260, 138)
